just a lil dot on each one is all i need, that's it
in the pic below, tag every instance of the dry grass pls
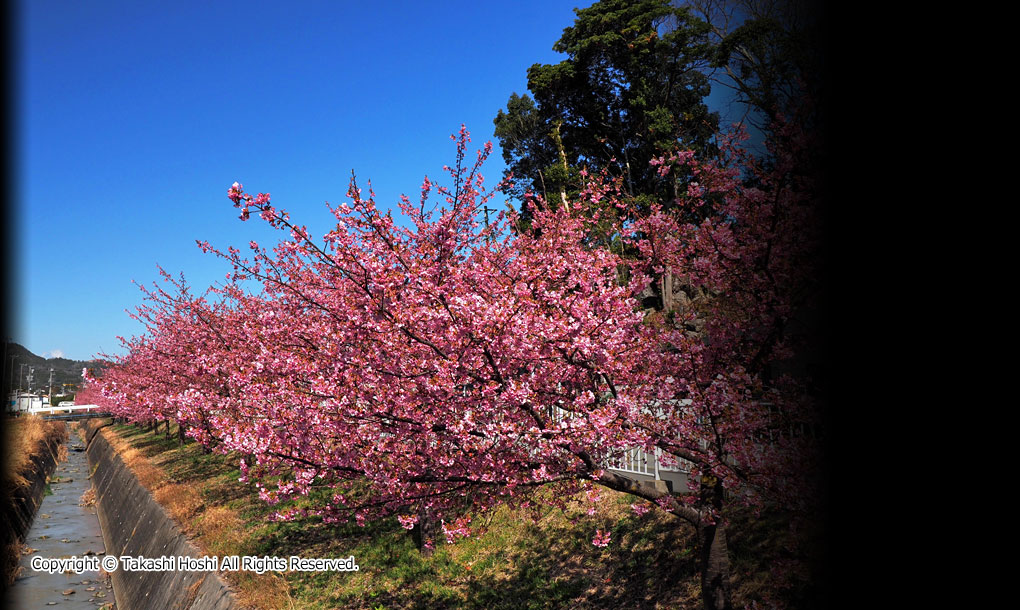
(268, 591)
(11, 557)
(149, 476)
(27, 437)
(221, 530)
(180, 500)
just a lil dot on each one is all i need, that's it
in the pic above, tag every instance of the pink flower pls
(601, 538)
(234, 192)
(639, 508)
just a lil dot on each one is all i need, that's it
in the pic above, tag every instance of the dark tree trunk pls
(427, 528)
(715, 568)
(206, 449)
(715, 555)
(180, 434)
(667, 291)
(167, 435)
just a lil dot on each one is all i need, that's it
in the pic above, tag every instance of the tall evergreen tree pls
(631, 88)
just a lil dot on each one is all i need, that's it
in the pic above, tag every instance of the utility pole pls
(10, 379)
(50, 393)
(8, 388)
(21, 373)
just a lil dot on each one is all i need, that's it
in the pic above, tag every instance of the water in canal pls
(62, 528)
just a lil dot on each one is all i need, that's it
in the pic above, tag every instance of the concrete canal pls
(63, 529)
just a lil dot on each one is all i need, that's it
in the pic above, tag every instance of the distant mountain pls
(65, 370)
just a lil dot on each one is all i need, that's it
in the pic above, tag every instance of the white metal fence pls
(639, 461)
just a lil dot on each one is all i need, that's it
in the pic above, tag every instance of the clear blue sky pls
(134, 118)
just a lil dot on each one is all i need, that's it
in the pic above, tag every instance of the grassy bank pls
(524, 559)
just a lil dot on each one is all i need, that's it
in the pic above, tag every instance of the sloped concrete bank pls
(134, 525)
(20, 507)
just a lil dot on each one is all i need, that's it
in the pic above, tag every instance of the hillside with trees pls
(66, 372)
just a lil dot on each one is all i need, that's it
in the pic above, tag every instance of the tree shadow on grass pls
(516, 564)
(650, 561)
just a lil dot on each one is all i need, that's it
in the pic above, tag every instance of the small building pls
(22, 402)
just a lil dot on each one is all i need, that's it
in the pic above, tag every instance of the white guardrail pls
(62, 410)
(639, 461)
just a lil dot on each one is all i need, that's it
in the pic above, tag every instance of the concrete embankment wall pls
(134, 524)
(19, 509)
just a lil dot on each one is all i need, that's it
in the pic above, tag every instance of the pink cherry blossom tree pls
(419, 365)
